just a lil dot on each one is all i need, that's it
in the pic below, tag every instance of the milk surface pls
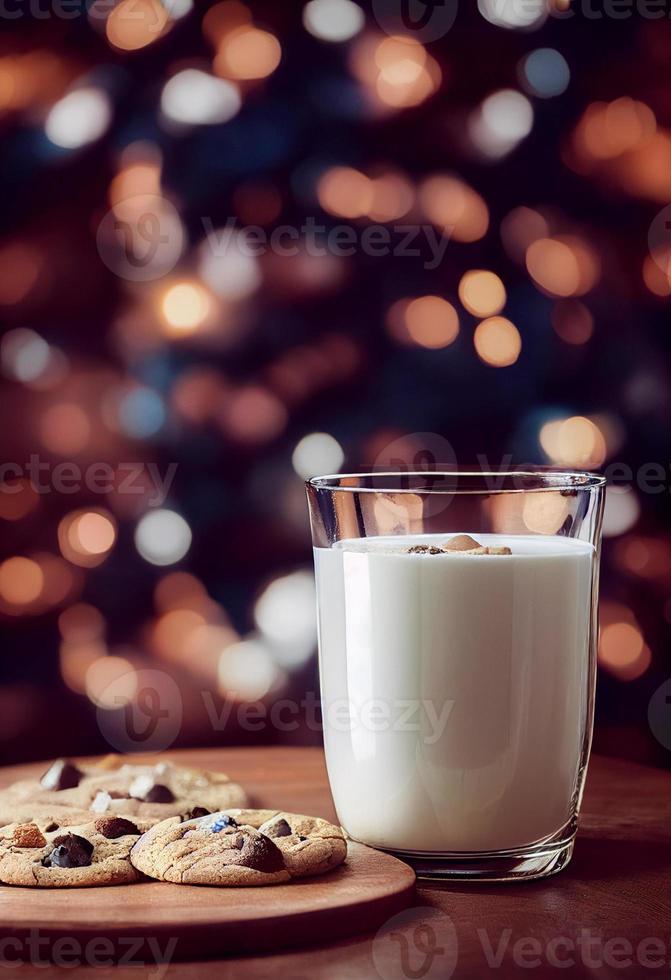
(454, 689)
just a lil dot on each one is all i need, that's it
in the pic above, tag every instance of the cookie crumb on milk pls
(461, 543)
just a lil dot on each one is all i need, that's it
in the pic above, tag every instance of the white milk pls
(465, 678)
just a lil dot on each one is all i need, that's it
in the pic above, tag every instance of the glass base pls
(523, 864)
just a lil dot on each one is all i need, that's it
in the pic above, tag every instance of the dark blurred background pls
(496, 291)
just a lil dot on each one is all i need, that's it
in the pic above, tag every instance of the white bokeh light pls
(162, 537)
(317, 453)
(25, 355)
(80, 117)
(333, 20)
(621, 512)
(195, 98)
(519, 14)
(225, 266)
(246, 671)
(502, 121)
(285, 613)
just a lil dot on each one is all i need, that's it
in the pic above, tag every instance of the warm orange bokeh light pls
(86, 537)
(450, 204)
(431, 322)
(185, 307)
(65, 429)
(247, 53)
(482, 292)
(17, 499)
(134, 24)
(345, 192)
(572, 321)
(563, 266)
(576, 441)
(497, 342)
(622, 650)
(21, 581)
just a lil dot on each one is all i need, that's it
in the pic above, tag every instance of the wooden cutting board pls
(150, 920)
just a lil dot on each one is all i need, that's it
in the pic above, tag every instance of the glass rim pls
(552, 480)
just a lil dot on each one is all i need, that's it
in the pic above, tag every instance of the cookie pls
(309, 845)
(150, 792)
(47, 853)
(240, 847)
(209, 850)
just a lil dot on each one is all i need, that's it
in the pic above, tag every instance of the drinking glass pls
(458, 673)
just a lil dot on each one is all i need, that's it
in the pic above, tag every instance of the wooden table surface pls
(607, 915)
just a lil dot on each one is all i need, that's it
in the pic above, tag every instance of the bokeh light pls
(185, 307)
(482, 292)
(162, 537)
(248, 53)
(65, 429)
(622, 651)
(86, 537)
(21, 581)
(572, 321)
(513, 14)
(79, 118)
(333, 20)
(110, 681)
(456, 208)
(133, 24)
(575, 441)
(316, 454)
(247, 671)
(497, 341)
(563, 266)
(285, 614)
(545, 73)
(194, 98)
(502, 121)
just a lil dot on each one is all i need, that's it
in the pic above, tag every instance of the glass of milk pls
(457, 653)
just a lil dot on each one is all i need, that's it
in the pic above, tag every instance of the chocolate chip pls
(28, 835)
(50, 827)
(262, 855)
(301, 838)
(278, 829)
(70, 851)
(61, 774)
(197, 811)
(158, 794)
(113, 827)
(424, 549)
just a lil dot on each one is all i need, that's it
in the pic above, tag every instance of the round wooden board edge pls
(205, 938)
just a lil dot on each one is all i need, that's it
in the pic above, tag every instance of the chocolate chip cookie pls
(209, 850)
(309, 845)
(151, 792)
(240, 847)
(45, 852)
